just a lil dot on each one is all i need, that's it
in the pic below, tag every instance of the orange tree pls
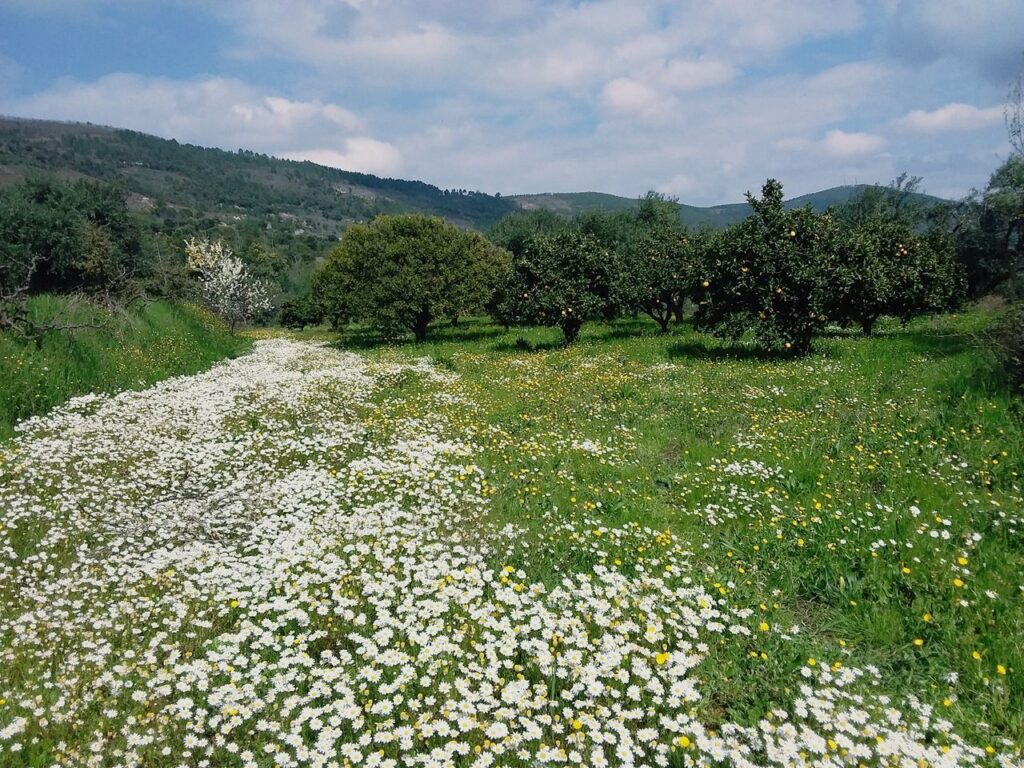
(559, 280)
(766, 275)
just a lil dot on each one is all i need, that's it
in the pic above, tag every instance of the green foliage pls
(64, 237)
(1006, 341)
(879, 266)
(513, 231)
(990, 233)
(125, 350)
(402, 272)
(263, 262)
(192, 189)
(331, 290)
(297, 313)
(765, 275)
(657, 265)
(558, 279)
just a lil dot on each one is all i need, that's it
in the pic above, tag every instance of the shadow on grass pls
(934, 343)
(522, 344)
(715, 351)
(367, 339)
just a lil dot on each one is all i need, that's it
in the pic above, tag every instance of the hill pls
(172, 180)
(714, 217)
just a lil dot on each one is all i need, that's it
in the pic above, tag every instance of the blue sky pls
(702, 100)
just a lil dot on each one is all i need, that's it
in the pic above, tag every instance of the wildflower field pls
(492, 550)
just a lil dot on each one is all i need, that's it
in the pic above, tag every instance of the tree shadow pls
(700, 350)
(934, 343)
(525, 345)
(365, 338)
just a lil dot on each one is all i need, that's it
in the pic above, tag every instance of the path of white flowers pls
(256, 566)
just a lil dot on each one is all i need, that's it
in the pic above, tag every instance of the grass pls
(131, 351)
(868, 495)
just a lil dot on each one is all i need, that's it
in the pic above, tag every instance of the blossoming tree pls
(228, 287)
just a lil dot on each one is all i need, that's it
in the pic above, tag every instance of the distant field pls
(492, 550)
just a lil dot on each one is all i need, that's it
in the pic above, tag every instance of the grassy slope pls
(133, 351)
(894, 513)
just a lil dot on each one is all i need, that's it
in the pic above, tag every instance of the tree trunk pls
(867, 325)
(571, 329)
(419, 326)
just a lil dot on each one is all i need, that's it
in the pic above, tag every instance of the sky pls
(701, 100)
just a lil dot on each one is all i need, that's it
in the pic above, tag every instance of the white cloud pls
(220, 112)
(632, 98)
(952, 118)
(358, 154)
(700, 98)
(840, 144)
(682, 75)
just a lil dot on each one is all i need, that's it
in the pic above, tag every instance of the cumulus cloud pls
(952, 118)
(683, 75)
(216, 111)
(633, 98)
(845, 145)
(358, 154)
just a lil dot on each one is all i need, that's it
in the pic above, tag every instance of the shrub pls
(558, 280)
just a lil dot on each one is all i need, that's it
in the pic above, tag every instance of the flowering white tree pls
(228, 288)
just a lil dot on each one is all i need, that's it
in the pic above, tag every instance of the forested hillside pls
(180, 182)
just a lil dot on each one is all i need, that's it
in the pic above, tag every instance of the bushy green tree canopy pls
(558, 279)
(299, 312)
(512, 231)
(401, 272)
(990, 233)
(68, 237)
(765, 275)
(880, 266)
(657, 261)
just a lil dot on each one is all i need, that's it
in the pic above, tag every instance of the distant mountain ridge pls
(169, 178)
(714, 217)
